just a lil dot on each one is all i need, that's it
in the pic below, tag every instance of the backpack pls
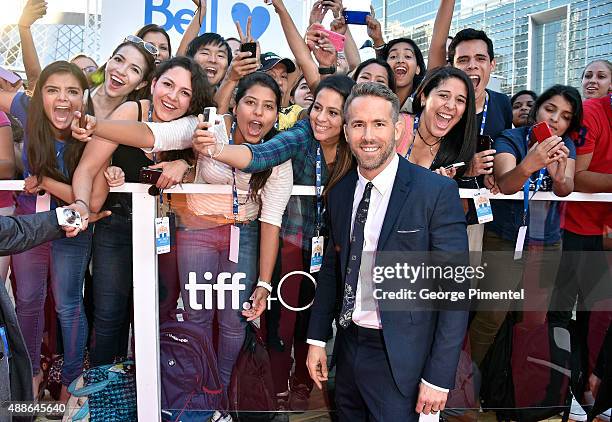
(190, 384)
(251, 391)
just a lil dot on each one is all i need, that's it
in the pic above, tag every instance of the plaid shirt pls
(299, 145)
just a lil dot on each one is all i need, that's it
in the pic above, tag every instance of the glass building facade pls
(537, 42)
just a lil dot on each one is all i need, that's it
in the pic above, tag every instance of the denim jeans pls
(202, 251)
(112, 288)
(65, 260)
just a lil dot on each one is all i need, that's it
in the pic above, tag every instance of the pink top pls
(6, 197)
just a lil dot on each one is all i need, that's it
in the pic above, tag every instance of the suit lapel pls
(346, 192)
(401, 189)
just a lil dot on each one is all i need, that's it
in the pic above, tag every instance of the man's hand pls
(316, 362)
(482, 163)
(114, 176)
(32, 185)
(242, 64)
(430, 400)
(32, 12)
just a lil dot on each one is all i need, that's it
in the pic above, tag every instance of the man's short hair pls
(469, 34)
(373, 89)
(208, 38)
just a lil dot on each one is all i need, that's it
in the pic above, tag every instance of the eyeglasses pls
(89, 69)
(151, 49)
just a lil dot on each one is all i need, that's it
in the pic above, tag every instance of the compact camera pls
(68, 217)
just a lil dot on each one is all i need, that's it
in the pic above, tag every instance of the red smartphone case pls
(541, 131)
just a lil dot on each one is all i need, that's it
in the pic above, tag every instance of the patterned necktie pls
(355, 251)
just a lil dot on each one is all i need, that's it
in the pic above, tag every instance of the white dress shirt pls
(366, 313)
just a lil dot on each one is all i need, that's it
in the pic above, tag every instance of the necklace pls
(431, 146)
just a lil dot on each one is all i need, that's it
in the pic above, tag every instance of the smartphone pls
(210, 116)
(455, 165)
(251, 47)
(541, 131)
(10, 77)
(484, 143)
(336, 39)
(352, 17)
(149, 176)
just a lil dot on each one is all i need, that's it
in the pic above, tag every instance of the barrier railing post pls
(146, 308)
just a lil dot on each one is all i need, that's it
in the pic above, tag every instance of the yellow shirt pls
(288, 116)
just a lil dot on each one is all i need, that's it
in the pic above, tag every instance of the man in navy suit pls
(390, 365)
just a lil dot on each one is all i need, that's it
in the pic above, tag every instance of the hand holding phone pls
(541, 132)
(10, 77)
(353, 17)
(149, 176)
(335, 38)
(210, 117)
(251, 47)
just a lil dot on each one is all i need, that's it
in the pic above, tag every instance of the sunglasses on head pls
(151, 49)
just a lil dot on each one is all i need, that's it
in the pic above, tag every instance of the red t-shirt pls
(590, 218)
(6, 197)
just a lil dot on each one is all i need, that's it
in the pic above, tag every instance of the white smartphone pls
(455, 165)
(210, 116)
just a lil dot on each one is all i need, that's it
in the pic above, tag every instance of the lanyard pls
(415, 127)
(484, 113)
(318, 189)
(235, 203)
(538, 184)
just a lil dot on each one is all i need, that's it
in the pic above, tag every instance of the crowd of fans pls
(281, 124)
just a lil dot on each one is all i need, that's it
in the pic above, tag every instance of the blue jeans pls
(202, 251)
(65, 261)
(112, 288)
(69, 260)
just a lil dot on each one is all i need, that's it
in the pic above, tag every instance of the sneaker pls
(220, 416)
(605, 416)
(299, 396)
(577, 413)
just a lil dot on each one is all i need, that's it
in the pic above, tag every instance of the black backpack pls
(251, 392)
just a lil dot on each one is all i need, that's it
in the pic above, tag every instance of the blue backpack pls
(190, 384)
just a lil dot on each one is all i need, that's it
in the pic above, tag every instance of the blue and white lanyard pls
(318, 189)
(235, 203)
(484, 113)
(415, 127)
(538, 184)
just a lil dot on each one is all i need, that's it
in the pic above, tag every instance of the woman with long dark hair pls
(50, 157)
(157, 36)
(443, 123)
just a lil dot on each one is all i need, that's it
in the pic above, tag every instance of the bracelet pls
(189, 166)
(82, 202)
(380, 47)
(220, 151)
(265, 285)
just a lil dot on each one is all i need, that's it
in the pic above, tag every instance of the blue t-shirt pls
(19, 109)
(499, 115)
(543, 216)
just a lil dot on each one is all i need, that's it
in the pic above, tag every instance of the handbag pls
(104, 393)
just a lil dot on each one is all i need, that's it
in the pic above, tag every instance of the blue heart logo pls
(259, 22)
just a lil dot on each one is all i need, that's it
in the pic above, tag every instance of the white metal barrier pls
(146, 318)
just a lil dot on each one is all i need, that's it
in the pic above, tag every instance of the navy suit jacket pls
(424, 214)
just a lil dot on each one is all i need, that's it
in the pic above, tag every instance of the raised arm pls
(298, 47)
(351, 51)
(193, 29)
(437, 49)
(31, 13)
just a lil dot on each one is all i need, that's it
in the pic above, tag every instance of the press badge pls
(316, 256)
(483, 206)
(234, 243)
(162, 235)
(520, 241)
(43, 202)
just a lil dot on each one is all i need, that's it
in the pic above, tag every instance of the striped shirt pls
(273, 197)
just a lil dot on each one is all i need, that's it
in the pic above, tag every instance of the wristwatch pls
(327, 70)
